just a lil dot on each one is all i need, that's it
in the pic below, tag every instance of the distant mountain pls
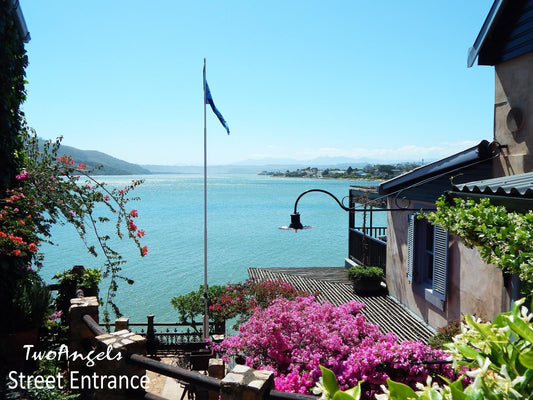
(320, 162)
(256, 166)
(111, 165)
(196, 169)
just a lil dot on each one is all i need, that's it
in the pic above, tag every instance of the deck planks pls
(333, 285)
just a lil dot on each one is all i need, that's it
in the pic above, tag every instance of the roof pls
(506, 33)
(515, 192)
(333, 285)
(520, 185)
(19, 20)
(483, 151)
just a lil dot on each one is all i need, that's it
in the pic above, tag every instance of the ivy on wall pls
(13, 61)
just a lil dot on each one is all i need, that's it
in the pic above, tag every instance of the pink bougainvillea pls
(293, 338)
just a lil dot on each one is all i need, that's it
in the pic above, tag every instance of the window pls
(427, 259)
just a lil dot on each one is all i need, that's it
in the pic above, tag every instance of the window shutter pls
(410, 247)
(440, 263)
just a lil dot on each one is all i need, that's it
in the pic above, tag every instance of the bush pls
(359, 272)
(241, 299)
(191, 305)
(293, 338)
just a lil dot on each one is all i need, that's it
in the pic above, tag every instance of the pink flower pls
(22, 176)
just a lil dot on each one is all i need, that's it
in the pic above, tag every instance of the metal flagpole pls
(206, 315)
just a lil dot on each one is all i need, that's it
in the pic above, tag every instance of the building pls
(430, 272)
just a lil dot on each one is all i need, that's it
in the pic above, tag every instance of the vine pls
(503, 238)
(13, 61)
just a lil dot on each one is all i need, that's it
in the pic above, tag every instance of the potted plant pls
(86, 279)
(365, 279)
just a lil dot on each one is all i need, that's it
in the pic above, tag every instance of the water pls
(244, 213)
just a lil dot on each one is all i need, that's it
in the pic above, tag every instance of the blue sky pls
(294, 79)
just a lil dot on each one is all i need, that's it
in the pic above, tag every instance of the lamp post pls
(295, 224)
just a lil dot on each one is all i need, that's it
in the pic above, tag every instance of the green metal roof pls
(520, 185)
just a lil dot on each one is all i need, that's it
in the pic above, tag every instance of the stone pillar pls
(216, 369)
(79, 332)
(80, 336)
(245, 383)
(122, 324)
(130, 380)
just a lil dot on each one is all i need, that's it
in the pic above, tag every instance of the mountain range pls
(111, 165)
(115, 166)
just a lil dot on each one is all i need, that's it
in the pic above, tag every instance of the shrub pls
(191, 305)
(241, 299)
(293, 338)
(358, 272)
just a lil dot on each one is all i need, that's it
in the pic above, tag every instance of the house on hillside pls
(430, 272)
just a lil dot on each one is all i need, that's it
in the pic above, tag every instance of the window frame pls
(433, 290)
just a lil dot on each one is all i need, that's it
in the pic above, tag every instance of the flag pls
(209, 100)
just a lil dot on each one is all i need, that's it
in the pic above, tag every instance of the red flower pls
(133, 213)
(82, 166)
(144, 251)
(131, 226)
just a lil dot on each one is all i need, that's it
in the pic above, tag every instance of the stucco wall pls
(474, 287)
(514, 89)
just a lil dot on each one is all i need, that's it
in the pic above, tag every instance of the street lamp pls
(295, 224)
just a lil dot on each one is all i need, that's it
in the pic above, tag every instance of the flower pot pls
(367, 286)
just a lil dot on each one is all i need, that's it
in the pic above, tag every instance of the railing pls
(378, 232)
(367, 249)
(168, 336)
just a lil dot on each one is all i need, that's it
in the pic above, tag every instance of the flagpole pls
(206, 310)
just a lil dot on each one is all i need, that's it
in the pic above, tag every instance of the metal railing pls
(366, 249)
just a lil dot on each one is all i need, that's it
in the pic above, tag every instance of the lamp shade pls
(295, 225)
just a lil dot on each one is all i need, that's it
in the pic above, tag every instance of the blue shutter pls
(410, 247)
(440, 263)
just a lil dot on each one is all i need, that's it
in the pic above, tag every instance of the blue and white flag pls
(209, 100)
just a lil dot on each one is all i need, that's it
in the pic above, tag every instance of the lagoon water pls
(244, 213)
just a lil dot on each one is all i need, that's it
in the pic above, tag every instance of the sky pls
(385, 80)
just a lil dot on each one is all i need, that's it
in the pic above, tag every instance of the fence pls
(167, 337)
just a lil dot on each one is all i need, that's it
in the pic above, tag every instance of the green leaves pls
(329, 381)
(503, 238)
(331, 388)
(400, 391)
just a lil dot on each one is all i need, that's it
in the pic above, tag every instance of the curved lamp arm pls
(296, 225)
(321, 191)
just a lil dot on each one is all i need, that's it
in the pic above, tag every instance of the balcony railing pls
(368, 248)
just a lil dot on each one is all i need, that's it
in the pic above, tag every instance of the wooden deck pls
(333, 285)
